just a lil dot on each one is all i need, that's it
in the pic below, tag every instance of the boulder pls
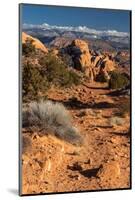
(81, 55)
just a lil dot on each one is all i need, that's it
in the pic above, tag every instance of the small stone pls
(35, 136)
(114, 140)
(78, 89)
(98, 129)
(87, 162)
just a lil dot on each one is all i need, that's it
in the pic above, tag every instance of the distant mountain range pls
(50, 35)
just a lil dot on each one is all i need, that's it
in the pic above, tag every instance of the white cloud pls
(84, 29)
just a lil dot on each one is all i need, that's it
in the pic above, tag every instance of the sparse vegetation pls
(101, 114)
(53, 118)
(116, 121)
(117, 80)
(57, 72)
(36, 79)
(28, 48)
(33, 82)
(101, 78)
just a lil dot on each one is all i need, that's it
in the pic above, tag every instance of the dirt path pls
(104, 160)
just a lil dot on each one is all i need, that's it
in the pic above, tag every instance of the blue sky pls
(99, 19)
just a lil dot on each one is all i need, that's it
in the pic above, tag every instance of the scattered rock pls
(87, 162)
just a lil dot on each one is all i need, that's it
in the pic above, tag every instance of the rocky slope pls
(51, 165)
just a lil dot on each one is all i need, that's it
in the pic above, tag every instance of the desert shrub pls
(28, 49)
(53, 118)
(101, 78)
(116, 121)
(70, 78)
(57, 72)
(117, 80)
(33, 81)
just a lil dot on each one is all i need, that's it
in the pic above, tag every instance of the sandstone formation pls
(81, 55)
(36, 42)
(90, 63)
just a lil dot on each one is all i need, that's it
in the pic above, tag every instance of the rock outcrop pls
(81, 56)
(36, 42)
(88, 63)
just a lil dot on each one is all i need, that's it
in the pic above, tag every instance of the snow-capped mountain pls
(47, 33)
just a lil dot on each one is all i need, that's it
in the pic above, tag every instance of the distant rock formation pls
(81, 55)
(89, 63)
(36, 42)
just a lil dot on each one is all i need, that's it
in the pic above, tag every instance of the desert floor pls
(103, 162)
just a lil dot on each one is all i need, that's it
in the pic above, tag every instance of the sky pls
(99, 19)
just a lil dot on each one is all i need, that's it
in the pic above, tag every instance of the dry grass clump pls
(50, 117)
(116, 121)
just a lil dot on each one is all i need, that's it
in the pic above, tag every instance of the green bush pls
(57, 72)
(36, 79)
(117, 80)
(32, 81)
(28, 49)
(101, 78)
